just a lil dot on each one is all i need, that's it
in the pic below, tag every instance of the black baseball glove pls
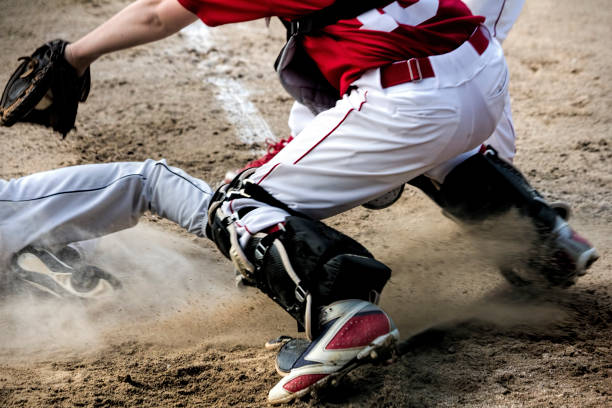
(45, 89)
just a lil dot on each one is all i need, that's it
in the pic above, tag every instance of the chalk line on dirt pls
(233, 96)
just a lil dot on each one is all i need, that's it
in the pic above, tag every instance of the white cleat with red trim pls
(353, 332)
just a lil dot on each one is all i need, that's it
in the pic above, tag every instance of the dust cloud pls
(172, 289)
(446, 274)
(179, 291)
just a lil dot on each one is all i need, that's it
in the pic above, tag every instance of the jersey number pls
(394, 14)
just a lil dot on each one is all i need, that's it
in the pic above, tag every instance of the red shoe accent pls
(272, 150)
(369, 327)
(302, 382)
(580, 238)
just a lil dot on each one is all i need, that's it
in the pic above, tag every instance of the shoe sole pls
(50, 275)
(386, 200)
(380, 349)
(585, 261)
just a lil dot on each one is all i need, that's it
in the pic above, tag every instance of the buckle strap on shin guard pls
(301, 294)
(221, 227)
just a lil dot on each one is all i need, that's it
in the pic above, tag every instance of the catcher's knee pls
(303, 265)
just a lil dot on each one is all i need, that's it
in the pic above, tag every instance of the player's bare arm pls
(48, 86)
(139, 23)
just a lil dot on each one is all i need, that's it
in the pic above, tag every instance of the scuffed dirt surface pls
(481, 343)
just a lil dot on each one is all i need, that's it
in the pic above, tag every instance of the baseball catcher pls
(388, 91)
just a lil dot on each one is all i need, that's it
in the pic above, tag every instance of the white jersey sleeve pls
(500, 15)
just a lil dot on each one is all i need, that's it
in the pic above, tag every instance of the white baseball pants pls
(500, 16)
(375, 139)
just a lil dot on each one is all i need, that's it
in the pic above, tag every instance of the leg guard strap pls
(221, 227)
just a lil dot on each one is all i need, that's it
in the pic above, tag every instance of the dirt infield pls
(182, 335)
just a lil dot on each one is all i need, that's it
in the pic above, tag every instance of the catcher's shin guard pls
(485, 185)
(303, 265)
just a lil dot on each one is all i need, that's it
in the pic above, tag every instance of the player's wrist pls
(79, 63)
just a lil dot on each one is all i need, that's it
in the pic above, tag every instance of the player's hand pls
(45, 89)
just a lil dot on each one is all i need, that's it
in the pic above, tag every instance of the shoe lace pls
(273, 148)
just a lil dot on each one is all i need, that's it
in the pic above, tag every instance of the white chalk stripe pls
(234, 98)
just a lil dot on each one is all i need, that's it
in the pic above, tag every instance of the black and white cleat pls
(45, 272)
(386, 200)
(353, 333)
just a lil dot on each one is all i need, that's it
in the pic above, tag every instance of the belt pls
(416, 69)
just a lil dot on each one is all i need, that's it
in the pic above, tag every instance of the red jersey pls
(343, 51)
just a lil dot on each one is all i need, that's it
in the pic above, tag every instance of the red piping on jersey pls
(498, 17)
(266, 175)
(365, 99)
(231, 207)
(245, 227)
